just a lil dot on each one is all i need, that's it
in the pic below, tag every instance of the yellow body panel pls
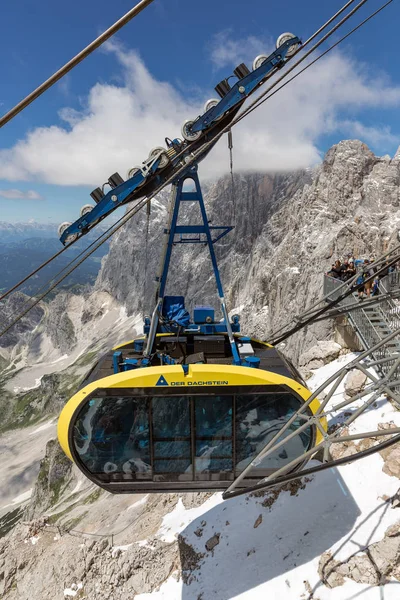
(199, 375)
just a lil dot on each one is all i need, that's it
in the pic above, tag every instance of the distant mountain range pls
(13, 232)
(24, 246)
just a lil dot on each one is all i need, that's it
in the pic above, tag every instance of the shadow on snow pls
(294, 530)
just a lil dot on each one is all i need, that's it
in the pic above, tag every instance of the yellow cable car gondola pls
(165, 428)
(191, 405)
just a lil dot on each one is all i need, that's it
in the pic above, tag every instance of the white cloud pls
(229, 51)
(121, 123)
(376, 136)
(14, 194)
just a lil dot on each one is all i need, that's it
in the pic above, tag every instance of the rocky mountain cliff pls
(289, 229)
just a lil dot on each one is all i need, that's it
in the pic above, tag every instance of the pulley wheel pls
(164, 158)
(284, 37)
(190, 136)
(86, 209)
(258, 61)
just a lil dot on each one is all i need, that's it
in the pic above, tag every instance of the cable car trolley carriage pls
(190, 405)
(188, 427)
(193, 404)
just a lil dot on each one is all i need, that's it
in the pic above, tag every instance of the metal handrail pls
(388, 313)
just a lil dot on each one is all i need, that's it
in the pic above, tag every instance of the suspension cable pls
(325, 25)
(241, 116)
(49, 281)
(261, 99)
(37, 299)
(306, 55)
(146, 243)
(195, 155)
(49, 260)
(74, 61)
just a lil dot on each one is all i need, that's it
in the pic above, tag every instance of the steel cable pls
(259, 101)
(74, 61)
(187, 149)
(48, 282)
(195, 156)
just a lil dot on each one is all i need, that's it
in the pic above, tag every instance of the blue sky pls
(114, 107)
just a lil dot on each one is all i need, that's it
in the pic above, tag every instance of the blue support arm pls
(110, 202)
(217, 117)
(244, 87)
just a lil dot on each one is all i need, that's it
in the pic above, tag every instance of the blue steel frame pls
(178, 196)
(112, 200)
(245, 86)
(242, 89)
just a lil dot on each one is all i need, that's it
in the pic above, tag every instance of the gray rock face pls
(9, 310)
(58, 324)
(320, 354)
(378, 562)
(354, 383)
(289, 229)
(55, 471)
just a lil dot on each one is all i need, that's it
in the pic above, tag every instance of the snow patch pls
(37, 383)
(180, 517)
(42, 427)
(73, 590)
(63, 357)
(33, 540)
(22, 497)
(19, 499)
(139, 502)
(117, 549)
(77, 487)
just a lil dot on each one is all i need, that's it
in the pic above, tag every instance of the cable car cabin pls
(190, 426)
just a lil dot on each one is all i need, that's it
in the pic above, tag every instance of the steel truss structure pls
(379, 363)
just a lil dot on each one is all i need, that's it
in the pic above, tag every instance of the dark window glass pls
(171, 417)
(172, 449)
(171, 435)
(258, 419)
(173, 466)
(214, 419)
(111, 436)
(213, 416)
(215, 447)
(213, 465)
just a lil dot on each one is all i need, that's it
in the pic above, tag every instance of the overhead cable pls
(264, 99)
(74, 61)
(195, 156)
(46, 262)
(227, 129)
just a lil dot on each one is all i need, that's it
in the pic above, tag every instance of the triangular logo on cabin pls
(162, 381)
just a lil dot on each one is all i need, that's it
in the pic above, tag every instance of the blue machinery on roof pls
(170, 309)
(159, 167)
(197, 234)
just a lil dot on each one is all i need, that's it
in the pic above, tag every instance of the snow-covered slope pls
(336, 529)
(340, 528)
(274, 551)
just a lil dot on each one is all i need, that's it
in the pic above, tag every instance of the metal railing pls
(373, 324)
(392, 313)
